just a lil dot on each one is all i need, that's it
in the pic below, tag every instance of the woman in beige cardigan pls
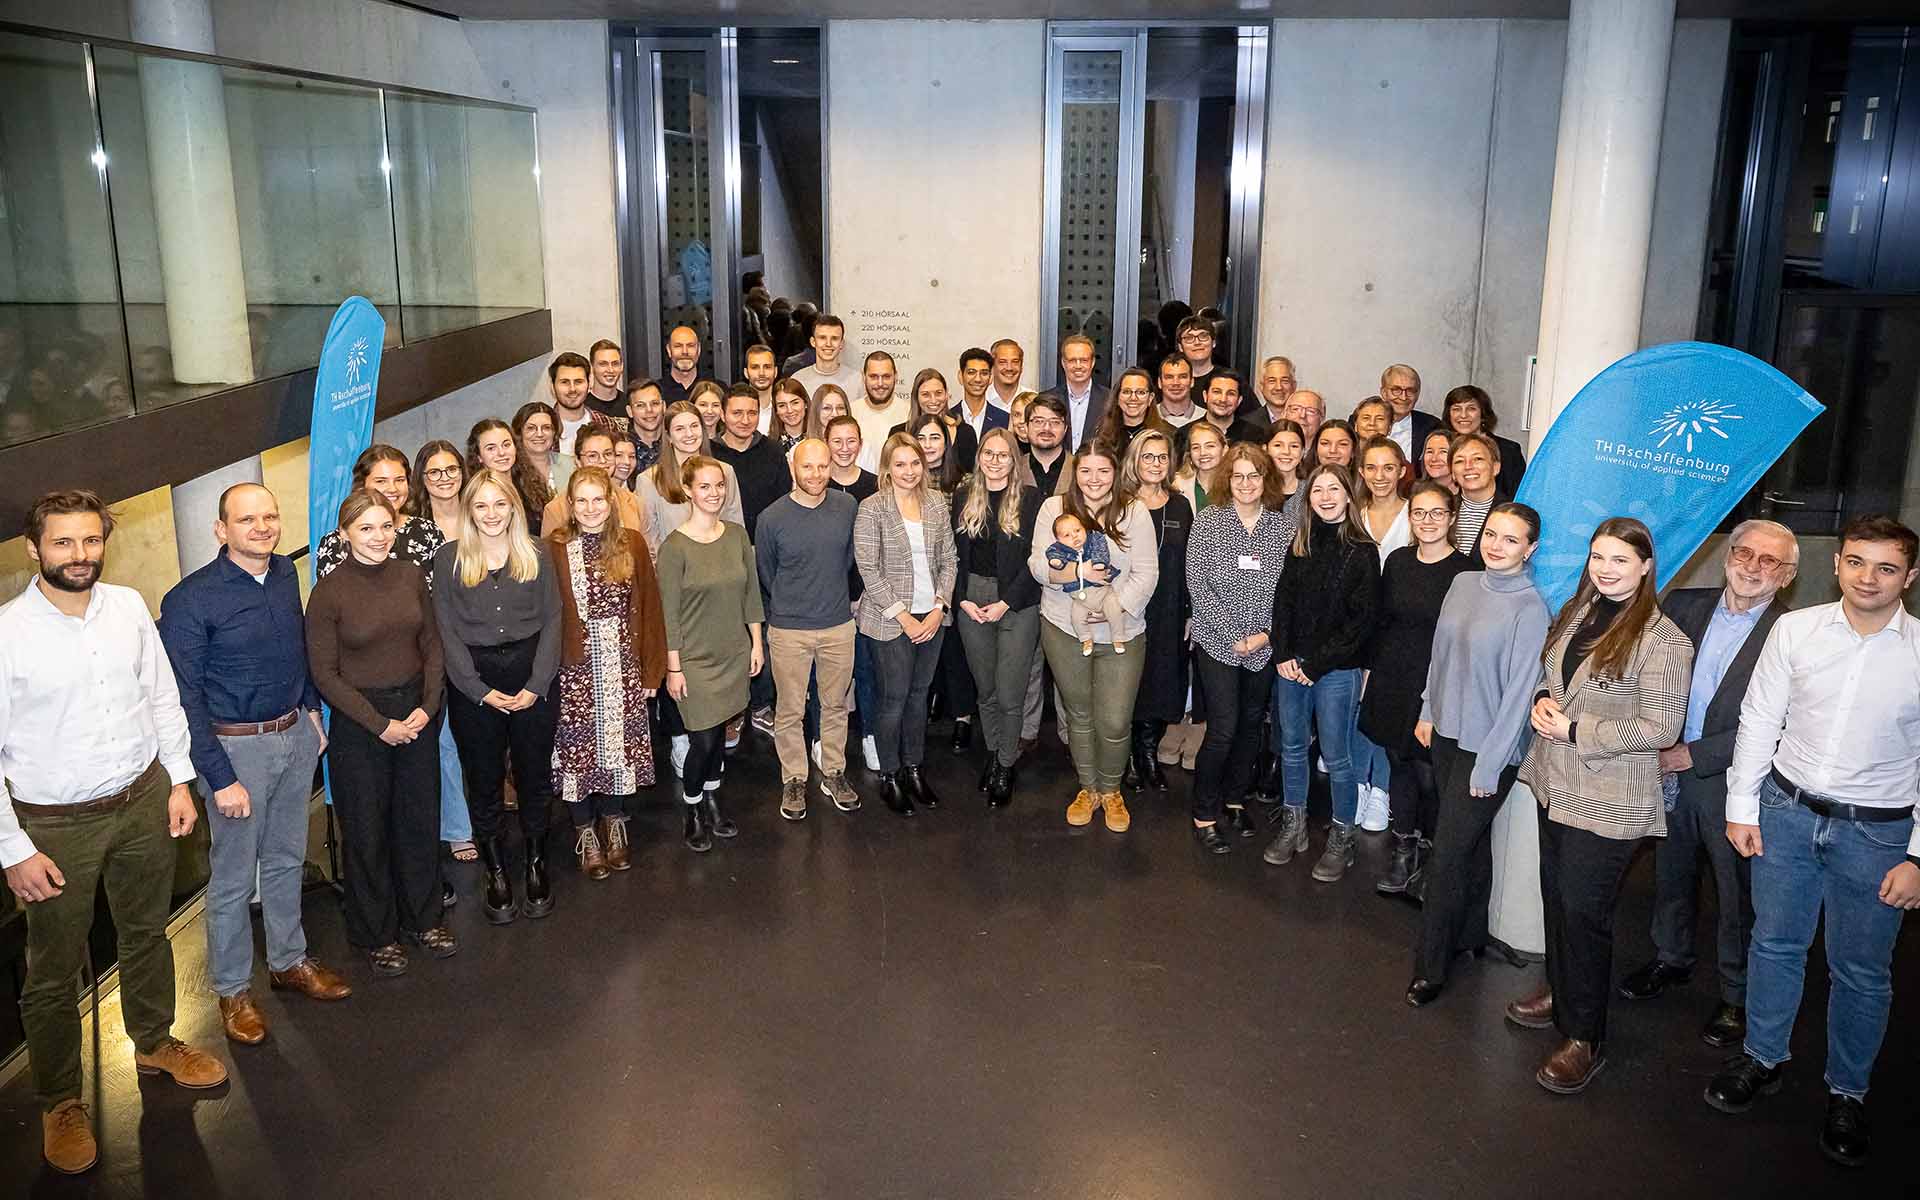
(1612, 695)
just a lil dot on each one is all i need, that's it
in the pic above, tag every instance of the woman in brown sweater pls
(374, 650)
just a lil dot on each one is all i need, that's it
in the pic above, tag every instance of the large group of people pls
(1197, 567)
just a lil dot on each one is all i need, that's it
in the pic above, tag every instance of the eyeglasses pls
(1744, 555)
(1137, 393)
(995, 456)
(1247, 477)
(1196, 335)
(442, 473)
(1428, 514)
(1154, 457)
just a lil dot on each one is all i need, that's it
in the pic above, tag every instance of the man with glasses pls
(1084, 406)
(1306, 409)
(977, 407)
(1728, 626)
(1046, 442)
(595, 447)
(1195, 338)
(1400, 388)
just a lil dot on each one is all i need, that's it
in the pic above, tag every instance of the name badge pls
(1249, 563)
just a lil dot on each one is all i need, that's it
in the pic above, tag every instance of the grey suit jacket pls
(885, 559)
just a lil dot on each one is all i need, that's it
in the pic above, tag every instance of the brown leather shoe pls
(1535, 1012)
(311, 980)
(189, 1067)
(593, 860)
(1569, 1069)
(66, 1138)
(614, 838)
(242, 1020)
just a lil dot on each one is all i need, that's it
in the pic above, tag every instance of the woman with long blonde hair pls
(613, 655)
(499, 611)
(1147, 472)
(1205, 446)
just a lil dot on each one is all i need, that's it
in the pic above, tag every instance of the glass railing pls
(172, 226)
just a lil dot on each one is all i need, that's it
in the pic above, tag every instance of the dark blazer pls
(1692, 609)
(1096, 408)
(996, 417)
(1513, 464)
(1018, 587)
(1424, 423)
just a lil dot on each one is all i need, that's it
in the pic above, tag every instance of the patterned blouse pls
(416, 541)
(1231, 575)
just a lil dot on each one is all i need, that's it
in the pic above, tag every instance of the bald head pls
(240, 493)
(248, 526)
(812, 465)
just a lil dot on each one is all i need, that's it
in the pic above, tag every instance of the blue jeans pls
(1370, 763)
(1327, 704)
(1808, 862)
(456, 823)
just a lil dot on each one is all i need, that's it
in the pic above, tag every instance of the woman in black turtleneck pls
(1323, 618)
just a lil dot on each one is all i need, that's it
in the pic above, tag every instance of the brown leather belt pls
(277, 725)
(105, 803)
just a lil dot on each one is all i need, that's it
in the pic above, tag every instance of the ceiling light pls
(785, 62)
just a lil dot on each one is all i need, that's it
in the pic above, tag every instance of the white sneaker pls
(870, 751)
(680, 745)
(1373, 809)
(816, 757)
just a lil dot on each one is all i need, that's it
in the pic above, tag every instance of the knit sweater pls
(373, 627)
(1324, 606)
(1486, 660)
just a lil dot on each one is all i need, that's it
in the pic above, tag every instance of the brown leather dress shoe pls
(1570, 1068)
(613, 838)
(311, 980)
(242, 1020)
(66, 1138)
(1535, 1012)
(188, 1066)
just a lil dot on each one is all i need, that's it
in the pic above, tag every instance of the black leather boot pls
(1238, 822)
(699, 836)
(538, 901)
(1266, 777)
(1406, 851)
(962, 735)
(498, 903)
(1000, 786)
(986, 773)
(1130, 774)
(917, 786)
(893, 795)
(717, 820)
(1146, 756)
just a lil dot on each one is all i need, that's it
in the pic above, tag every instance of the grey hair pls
(1762, 525)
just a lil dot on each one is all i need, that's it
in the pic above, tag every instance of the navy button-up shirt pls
(239, 653)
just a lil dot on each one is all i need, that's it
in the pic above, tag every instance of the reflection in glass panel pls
(466, 203)
(1089, 172)
(686, 217)
(780, 205)
(1185, 188)
(63, 357)
(283, 198)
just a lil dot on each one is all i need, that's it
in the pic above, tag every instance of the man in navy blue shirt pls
(235, 635)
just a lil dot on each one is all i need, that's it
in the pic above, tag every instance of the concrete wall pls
(1410, 173)
(935, 181)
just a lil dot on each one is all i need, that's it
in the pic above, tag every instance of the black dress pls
(1163, 678)
(1411, 594)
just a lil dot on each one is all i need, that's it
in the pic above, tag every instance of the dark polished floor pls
(967, 1004)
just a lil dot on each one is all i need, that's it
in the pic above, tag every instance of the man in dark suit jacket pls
(1084, 403)
(1728, 627)
(1400, 388)
(976, 405)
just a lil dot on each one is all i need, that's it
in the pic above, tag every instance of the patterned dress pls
(603, 743)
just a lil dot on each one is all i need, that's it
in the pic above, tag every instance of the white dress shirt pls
(1401, 432)
(978, 420)
(1077, 414)
(86, 704)
(1837, 713)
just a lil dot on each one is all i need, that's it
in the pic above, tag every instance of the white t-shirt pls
(874, 424)
(568, 431)
(922, 572)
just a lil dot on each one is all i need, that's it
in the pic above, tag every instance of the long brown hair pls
(531, 483)
(419, 503)
(666, 468)
(616, 556)
(1112, 428)
(1119, 500)
(1352, 529)
(1612, 652)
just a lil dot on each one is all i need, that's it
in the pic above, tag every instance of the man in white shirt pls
(1400, 388)
(95, 759)
(1084, 409)
(1176, 392)
(977, 407)
(878, 410)
(761, 371)
(1820, 800)
(567, 377)
(828, 340)
(1009, 361)
(1307, 410)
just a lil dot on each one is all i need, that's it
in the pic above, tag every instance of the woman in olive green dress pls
(710, 597)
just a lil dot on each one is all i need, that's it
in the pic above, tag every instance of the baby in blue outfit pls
(1074, 544)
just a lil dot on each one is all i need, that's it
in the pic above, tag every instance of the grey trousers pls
(277, 770)
(1698, 823)
(1001, 656)
(1035, 706)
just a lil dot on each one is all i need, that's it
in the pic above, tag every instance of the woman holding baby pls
(1100, 589)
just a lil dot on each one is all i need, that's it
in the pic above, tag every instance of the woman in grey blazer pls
(903, 545)
(1612, 695)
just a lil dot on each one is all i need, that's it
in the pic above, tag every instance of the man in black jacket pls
(1728, 627)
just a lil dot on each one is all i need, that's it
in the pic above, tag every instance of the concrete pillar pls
(193, 202)
(1612, 101)
(196, 504)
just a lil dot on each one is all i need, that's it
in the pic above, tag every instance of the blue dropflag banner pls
(344, 389)
(1674, 435)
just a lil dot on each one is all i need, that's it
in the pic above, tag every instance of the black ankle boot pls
(1146, 754)
(1000, 786)
(962, 735)
(699, 836)
(538, 901)
(1406, 851)
(1238, 822)
(717, 820)
(1130, 774)
(893, 795)
(918, 787)
(1266, 778)
(498, 903)
(986, 773)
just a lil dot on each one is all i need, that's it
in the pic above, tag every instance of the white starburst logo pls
(356, 359)
(1695, 417)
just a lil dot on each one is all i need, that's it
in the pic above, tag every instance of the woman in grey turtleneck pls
(1486, 661)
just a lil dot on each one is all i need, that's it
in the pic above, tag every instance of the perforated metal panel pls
(1089, 169)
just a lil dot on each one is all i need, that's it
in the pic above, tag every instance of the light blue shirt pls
(1726, 632)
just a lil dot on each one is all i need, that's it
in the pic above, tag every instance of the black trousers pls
(903, 675)
(1453, 916)
(706, 760)
(1580, 877)
(1235, 701)
(1698, 823)
(953, 678)
(1413, 795)
(388, 802)
(484, 735)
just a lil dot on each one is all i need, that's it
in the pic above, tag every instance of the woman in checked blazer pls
(1612, 695)
(903, 545)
